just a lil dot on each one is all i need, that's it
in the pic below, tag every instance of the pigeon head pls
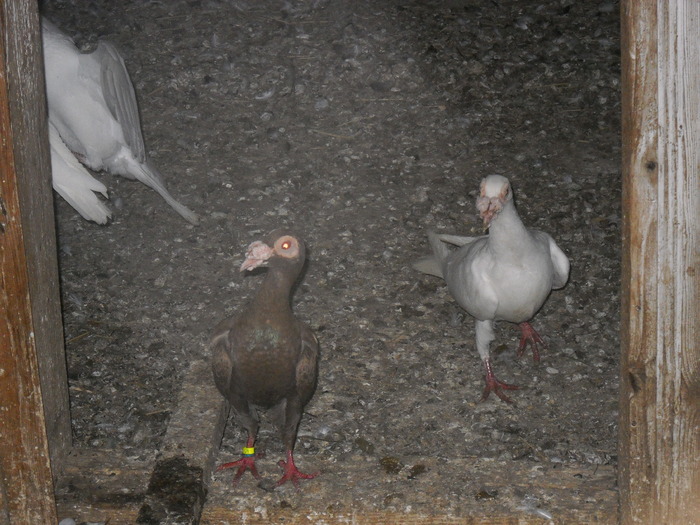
(279, 246)
(495, 193)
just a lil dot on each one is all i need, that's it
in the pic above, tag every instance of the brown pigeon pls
(264, 358)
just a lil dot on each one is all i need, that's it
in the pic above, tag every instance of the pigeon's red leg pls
(528, 335)
(494, 385)
(291, 472)
(247, 462)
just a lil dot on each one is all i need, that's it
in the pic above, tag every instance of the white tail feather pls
(74, 183)
(429, 265)
(152, 178)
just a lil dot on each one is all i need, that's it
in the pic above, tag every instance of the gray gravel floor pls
(363, 125)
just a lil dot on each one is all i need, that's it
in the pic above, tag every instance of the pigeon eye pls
(286, 245)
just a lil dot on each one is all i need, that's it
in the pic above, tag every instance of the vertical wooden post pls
(25, 106)
(660, 390)
(31, 337)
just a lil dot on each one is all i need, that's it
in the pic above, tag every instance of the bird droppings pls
(175, 488)
(391, 465)
(425, 98)
(416, 470)
(486, 494)
(364, 445)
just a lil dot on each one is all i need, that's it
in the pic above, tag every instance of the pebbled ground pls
(363, 125)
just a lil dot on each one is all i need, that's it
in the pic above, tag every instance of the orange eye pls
(286, 245)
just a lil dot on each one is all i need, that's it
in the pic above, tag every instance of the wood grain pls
(660, 401)
(102, 486)
(567, 494)
(26, 104)
(179, 483)
(25, 470)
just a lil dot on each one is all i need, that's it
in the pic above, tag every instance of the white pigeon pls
(93, 112)
(504, 276)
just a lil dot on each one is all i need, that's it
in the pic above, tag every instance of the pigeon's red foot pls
(291, 473)
(529, 335)
(243, 464)
(494, 385)
(247, 462)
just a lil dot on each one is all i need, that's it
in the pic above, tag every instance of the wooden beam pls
(102, 486)
(105, 485)
(290, 517)
(494, 492)
(24, 74)
(180, 480)
(25, 469)
(660, 389)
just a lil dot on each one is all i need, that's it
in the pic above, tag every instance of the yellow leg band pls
(248, 451)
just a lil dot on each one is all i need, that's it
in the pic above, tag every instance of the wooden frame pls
(659, 472)
(660, 390)
(31, 333)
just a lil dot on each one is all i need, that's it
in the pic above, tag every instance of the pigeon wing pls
(120, 97)
(307, 366)
(560, 263)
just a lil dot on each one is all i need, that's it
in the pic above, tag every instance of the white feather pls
(92, 106)
(74, 183)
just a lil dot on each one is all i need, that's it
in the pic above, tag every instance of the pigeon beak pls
(257, 255)
(488, 209)
(487, 217)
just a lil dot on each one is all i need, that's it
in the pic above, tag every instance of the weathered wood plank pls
(112, 514)
(660, 394)
(514, 493)
(103, 476)
(24, 74)
(638, 318)
(678, 341)
(102, 485)
(227, 516)
(570, 494)
(179, 483)
(25, 469)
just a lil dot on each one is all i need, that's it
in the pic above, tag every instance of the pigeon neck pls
(507, 225)
(274, 293)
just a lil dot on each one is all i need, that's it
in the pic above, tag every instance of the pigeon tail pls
(428, 265)
(457, 240)
(85, 202)
(440, 249)
(74, 183)
(150, 176)
(432, 264)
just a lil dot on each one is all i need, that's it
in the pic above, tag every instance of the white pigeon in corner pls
(94, 114)
(504, 276)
